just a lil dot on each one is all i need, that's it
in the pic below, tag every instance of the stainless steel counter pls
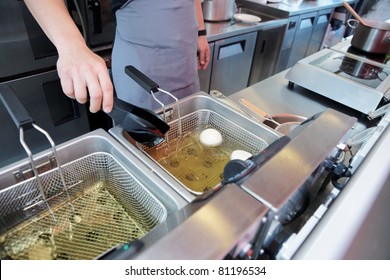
(287, 8)
(222, 30)
(355, 227)
(274, 96)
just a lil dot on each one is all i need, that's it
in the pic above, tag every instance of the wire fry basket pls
(74, 211)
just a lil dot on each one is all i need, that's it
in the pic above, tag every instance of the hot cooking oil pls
(198, 167)
(94, 222)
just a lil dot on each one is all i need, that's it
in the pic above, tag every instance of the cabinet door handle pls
(263, 44)
(292, 25)
(231, 49)
(323, 19)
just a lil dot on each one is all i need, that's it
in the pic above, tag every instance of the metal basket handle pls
(24, 121)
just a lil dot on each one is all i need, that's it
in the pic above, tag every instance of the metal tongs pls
(143, 125)
(23, 121)
(152, 87)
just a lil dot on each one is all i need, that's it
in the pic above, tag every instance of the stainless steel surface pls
(223, 98)
(258, 111)
(201, 111)
(213, 230)
(283, 123)
(373, 37)
(219, 31)
(237, 51)
(356, 226)
(322, 78)
(307, 24)
(309, 148)
(93, 160)
(286, 8)
(218, 10)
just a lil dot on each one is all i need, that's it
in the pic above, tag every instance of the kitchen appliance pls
(113, 200)
(200, 168)
(28, 60)
(218, 10)
(344, 74)
(91, 202)
(24, 47)
(291, 198)
(372, 37)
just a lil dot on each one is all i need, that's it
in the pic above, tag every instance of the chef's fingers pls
(94, 91)
(80, 88)
(203, 53)
(66, 83)
(107, 91)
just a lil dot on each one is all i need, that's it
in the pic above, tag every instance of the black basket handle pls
(15, 108)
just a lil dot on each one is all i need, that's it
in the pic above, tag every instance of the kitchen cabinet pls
(266, 54)
(230, 64)
(309, 30)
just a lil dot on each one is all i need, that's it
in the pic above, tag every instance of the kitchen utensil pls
(258, 111)
(152, 87)
(143, 125)
(218, 10)
(286, 123)
(246, 18)
(372, 37)
(354, 13)
(219, 95)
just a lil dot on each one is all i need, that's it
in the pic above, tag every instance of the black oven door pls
(24, 47)
(100, 22)
(42, 96)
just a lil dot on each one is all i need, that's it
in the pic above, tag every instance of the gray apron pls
(159, 37)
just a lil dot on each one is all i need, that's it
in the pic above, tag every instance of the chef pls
(163, 39)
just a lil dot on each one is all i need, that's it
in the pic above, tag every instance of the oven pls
(28, 60)
(42, 96)
(24, 47)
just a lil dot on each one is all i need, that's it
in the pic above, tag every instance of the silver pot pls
(372, 38)
(218, 10)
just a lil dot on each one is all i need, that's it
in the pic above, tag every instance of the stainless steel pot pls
(218, 10)
(374, 37)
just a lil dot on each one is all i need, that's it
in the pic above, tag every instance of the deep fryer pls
(73, 207)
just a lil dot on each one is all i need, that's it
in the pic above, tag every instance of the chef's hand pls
(203, 53)
(84, 73)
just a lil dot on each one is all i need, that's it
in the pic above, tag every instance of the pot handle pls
(353, 23)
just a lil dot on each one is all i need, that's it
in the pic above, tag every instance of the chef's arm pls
(203, 46)
(81, 71)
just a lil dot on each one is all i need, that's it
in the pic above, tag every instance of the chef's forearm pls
(54, 19)
(199, 14)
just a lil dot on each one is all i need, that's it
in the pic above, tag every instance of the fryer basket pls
(235, 138)
(107, 206)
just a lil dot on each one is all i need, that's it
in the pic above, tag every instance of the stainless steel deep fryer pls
(197, 112)
(75, 202)
(107, 206)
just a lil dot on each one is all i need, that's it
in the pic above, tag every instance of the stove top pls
(356, 79)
